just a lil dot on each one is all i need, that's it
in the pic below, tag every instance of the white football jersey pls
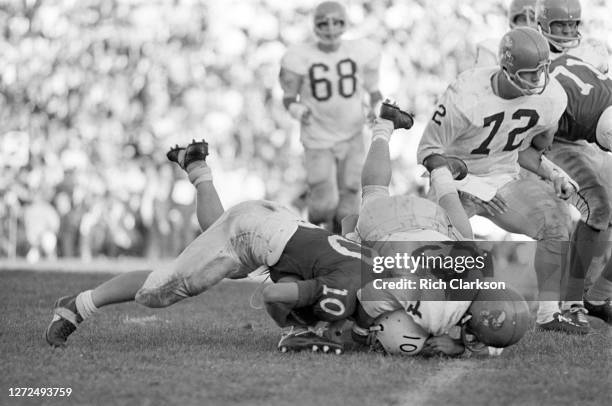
(429, 309)
(332, 88)
(486, 52)
(592, 51)
(485, 130)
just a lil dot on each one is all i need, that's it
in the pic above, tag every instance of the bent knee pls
(156, 298)
(557, 224)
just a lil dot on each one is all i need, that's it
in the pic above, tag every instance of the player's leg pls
(203, 263)
(598, 298)
(377, 166)
(193, 160)
(69, 311)
(322, 199)
(534, 210)
(587, 166)
(348, 177)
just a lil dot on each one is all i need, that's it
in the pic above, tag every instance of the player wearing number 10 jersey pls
(325, 84)
(492, 118)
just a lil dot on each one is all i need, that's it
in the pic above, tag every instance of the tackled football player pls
(407, 320)
(324, 87)
(579, 148)
(496, 119)
(320, 271)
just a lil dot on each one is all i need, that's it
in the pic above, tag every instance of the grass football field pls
(216, 350)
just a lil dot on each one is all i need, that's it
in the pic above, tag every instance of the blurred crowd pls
(93, 93)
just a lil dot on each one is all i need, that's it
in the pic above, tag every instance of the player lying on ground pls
(320, 271)
(412, 318)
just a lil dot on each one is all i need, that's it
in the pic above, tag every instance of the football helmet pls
(330, 20)
(522, 8)
(524, 57)
(496, 318)
(551, 11)
(396, 333)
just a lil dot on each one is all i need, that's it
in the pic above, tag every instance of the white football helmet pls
(396, 333)
(330, 20)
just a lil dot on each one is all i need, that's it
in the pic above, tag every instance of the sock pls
(546, 310)
(601, 290)
(85, 305)
(199, 172)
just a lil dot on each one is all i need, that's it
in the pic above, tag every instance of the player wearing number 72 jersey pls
(494, 118)
(324, 86)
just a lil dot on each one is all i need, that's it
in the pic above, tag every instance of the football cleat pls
(577, 314)
(603, 311)
(400, 118)
(64, 322)
(196, 151)
(307, 339)
(563, 324)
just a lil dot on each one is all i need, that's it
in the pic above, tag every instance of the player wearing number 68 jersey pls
(324, 87)
(493, 119)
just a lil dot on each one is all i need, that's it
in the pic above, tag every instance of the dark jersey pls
(589, 93)
(328, 268)
(314, 252)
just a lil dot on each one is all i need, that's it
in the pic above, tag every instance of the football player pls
(324, 85)
(521, 13)
(495, 119)
(320, 271)
(579, 147)
(404, 321)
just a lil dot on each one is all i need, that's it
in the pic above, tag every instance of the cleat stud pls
(283, 349)
(315, 348)
(338, 351)
(325, 348)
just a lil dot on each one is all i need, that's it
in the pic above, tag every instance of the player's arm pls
(291, 84)
(371, 77)
(291, 80)
(446, 124)
(439, 133)
(535, 161)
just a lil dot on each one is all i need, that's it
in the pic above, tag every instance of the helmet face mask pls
(524, 58)
(530, 81)
(330, 22)
(558, 21)
(396, 333)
